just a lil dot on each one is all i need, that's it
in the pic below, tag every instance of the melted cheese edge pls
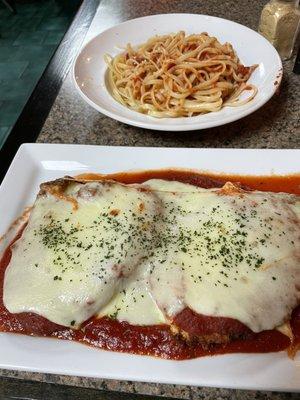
(143, 256)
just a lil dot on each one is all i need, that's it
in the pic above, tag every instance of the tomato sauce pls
(159, 340)
(272, 183)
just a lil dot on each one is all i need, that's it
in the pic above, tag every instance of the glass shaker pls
(279, 23)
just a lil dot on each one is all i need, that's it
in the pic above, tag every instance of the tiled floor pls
(27, 42)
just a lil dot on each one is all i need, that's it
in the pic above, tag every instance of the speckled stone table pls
(276, 125)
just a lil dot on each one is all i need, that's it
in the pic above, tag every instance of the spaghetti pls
(179, 76)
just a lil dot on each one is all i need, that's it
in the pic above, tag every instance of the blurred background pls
(30, 31)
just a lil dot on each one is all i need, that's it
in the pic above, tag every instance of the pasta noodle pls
(179, 76)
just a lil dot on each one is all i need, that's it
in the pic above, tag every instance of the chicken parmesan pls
(167, 263)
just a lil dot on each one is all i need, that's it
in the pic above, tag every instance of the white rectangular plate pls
(35, 163)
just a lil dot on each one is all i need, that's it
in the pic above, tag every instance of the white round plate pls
(90, 69)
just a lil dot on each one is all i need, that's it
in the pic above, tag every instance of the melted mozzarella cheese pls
(69, 263)
(219, 252)
(134, 302)
(233, 255)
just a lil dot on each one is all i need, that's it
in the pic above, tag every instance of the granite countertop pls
(276, 125)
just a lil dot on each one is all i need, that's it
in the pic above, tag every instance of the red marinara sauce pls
(158, 340)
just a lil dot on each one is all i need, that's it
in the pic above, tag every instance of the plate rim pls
(180, 127)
